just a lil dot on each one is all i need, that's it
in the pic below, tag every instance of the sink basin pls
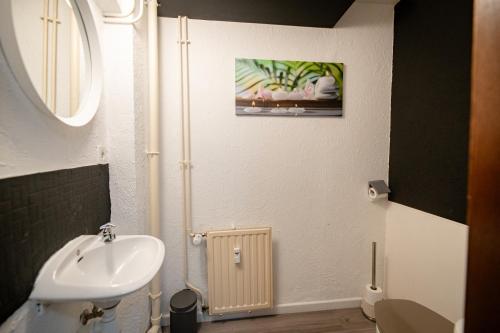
(88, 269)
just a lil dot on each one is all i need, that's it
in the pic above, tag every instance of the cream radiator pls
(240, 274)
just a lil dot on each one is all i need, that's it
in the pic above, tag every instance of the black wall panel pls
(319, 13)
(431, 106)
(39, 213)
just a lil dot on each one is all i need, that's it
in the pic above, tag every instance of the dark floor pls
(338, 321)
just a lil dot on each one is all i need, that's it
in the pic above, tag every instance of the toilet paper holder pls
(377, 189)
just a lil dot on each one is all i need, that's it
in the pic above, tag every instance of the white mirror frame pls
(12, 54)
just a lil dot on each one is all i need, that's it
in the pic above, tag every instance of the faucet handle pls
(107, 226)
(107, 232)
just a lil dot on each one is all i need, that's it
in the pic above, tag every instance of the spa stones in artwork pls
(288, 88)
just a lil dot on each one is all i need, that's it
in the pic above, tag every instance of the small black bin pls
(183, 312)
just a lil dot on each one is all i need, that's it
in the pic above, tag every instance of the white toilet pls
(399, 315)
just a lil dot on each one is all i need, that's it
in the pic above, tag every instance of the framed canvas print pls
(288, 88)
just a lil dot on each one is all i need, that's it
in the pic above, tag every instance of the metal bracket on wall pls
(378, 189)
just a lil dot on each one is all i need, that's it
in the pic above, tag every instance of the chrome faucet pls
(107, 232)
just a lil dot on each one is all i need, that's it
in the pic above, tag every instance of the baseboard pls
(332, 304)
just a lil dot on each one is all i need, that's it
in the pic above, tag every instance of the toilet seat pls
(399, 315)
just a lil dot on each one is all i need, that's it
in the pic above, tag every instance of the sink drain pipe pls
(153, 153)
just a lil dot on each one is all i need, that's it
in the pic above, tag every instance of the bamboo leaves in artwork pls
(285, 75)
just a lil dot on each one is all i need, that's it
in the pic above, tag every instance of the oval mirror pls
(52, 49)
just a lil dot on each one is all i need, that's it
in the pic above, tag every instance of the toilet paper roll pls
(372, 296)
(373, 194)
(459, 326)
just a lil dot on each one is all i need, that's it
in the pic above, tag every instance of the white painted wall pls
(124, 52)
(426, 258)
(32, 142)
(304, 177)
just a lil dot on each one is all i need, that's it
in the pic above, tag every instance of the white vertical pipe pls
(74, 66)
(153, 154)
(183, 42)
(45, 56)
(129, 19)
(183, 146)
(186, 125)
(55, 22)
(123, 14)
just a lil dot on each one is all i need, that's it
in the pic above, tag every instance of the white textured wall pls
(32, 142)
(426, 259)
(123, 56)
(304, 177)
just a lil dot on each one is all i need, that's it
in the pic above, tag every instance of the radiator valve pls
(197, 239)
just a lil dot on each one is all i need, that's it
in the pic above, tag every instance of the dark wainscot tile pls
(39, 213)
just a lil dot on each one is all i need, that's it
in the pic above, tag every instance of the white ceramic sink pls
(88, 269)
